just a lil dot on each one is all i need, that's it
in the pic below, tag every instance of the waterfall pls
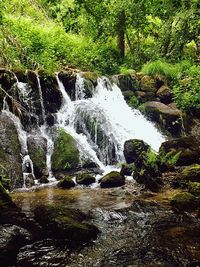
(41, 97)
(101, 124)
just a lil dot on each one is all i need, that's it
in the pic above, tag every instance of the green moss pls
(67, 182)
(191, 173)
(184, 201)
(85, 179)
(66, 154)
(194, 188)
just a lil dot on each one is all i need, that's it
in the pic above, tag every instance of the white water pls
(113, 122)
(41, 97)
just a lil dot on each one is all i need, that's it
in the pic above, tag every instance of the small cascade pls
(41, 97)
(79, 87)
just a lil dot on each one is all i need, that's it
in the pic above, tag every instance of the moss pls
(66, 154)
(191, 173)
(184, 201)
(85, 179)
(92, 76)
(194, 188)
(112, 179)
(67, 183)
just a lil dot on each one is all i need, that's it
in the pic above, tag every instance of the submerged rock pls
(112, 179)
(66, 183)
(65, 155)
(85, 179)
(64, 223)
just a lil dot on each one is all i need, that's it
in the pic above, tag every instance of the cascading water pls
(102, 124)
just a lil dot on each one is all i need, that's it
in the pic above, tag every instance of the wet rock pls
(65, 155)
(10, 152)
(124, 81)
(44, 180)
(63, 223)
(127, 169)
(133, 148)
(112, 179)
(37, 147)
(68, 79)
(85, 179)
(29, 180)
(165, 94)
(12, 237)
(187, 147)
(66, 183)
(5, 200)
(52, 97)
(50, 119)
(128, 94)
(91, 76)
(184, 201)
(170, 119)
(145, 96)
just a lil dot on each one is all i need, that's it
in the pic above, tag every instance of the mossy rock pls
(184, 201)
(66, 183)
(85, 179)
(92, 76)
(112, 179)
(148, 84)
(65, 155)
(64, 223)
(44, 180)
(190, 173)
(127, 169)
(194, 188)
(5, 199)
(133, 148)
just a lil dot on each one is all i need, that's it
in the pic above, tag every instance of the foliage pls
(170, 158)
(134, 102)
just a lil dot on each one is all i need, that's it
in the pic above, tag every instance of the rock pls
(91, 76)
(64, 223)
(66, 183)
(85, 179)
(145, 96)
(5, 200)
(148, 84)
(165, 94)
(52, 97)
(170, 119)
(112, 179)
(44, 180)
(184, 201)
(51, 119)
(68, 78)
(12, 237)
(187, 147)
(127, 169)
(133, 148)
(10, 149)
(189, 174)
(37, 147)
(124, 81)
(29, 180)
(65, 155)
(128, 94)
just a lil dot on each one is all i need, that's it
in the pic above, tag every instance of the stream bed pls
(136, 230)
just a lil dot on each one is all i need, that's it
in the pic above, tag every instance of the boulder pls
(148, 84)
(170, 119)
(44, 180)
(133, 148)
(65, 155)
(187, 147)
(29, 180)
(165, 94)
(145, 96)
(125, 82)
(12, 238)
(128, 94)
(112, 179)
(64, 223)
(37, 147)
(66, 183)
(189, 174)
(10, 149)
(90, 76)
(85, 179)
(184, 201)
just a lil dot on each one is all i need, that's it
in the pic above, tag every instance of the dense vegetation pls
(107, 36)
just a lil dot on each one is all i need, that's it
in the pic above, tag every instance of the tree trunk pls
(121, 26)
